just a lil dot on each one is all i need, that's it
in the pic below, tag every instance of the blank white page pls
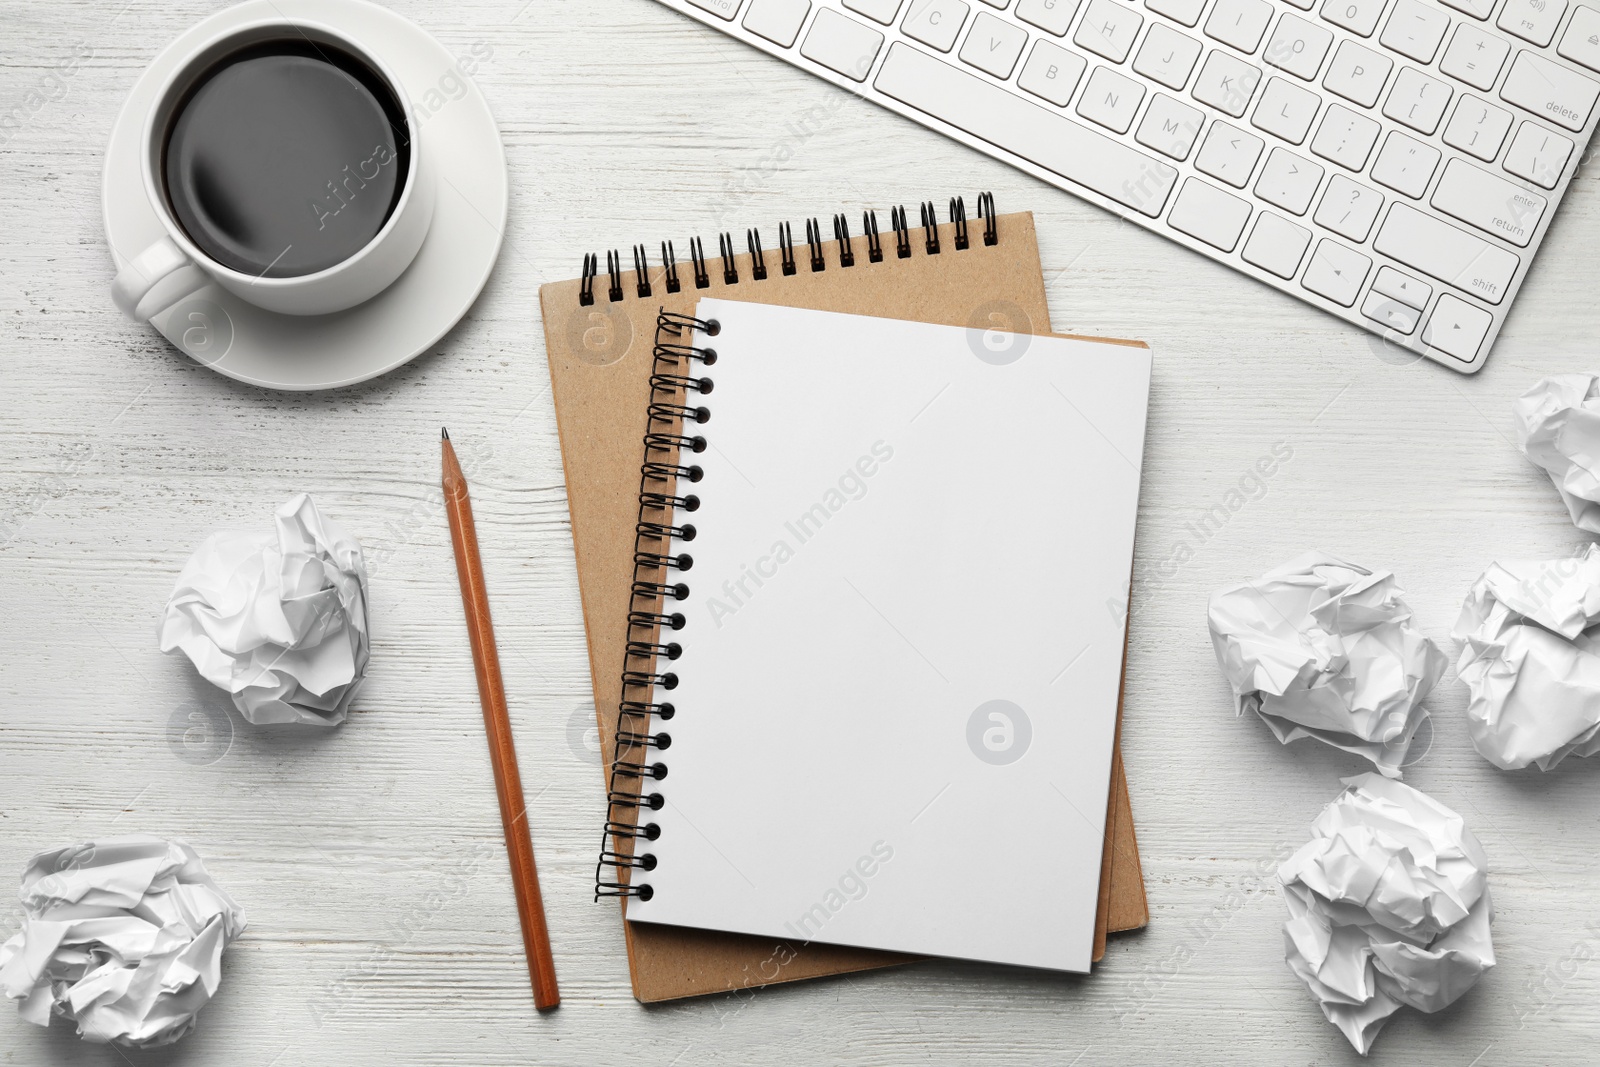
(897, 695)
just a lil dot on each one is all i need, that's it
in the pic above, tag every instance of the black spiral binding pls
(814, 246)
(841, 236)
(667, 476)
(614, 275)
(786, 247)
(816, 250)
(641, 271)
(591, 266)
(657, 579)
(930, 227)
(758, 259)
(869, 226)
(902, 232)
(991, 228)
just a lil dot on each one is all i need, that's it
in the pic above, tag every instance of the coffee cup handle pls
(156, 279)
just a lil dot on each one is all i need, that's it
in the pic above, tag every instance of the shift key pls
(1447, 253)
(1044, 138)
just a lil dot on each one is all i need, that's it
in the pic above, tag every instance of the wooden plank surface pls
(369, 860)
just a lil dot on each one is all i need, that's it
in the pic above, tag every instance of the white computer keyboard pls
(1393, 162)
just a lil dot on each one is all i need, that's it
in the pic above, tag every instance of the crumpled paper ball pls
(1530, 657)
(277, 619)
(1325, 649)
(1388, 906)
(1558, 428)
(124, 937)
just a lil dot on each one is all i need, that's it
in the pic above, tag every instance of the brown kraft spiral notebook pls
(599, 334)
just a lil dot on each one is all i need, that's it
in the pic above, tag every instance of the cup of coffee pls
(284, 163)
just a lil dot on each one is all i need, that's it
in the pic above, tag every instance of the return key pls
(1489, 202)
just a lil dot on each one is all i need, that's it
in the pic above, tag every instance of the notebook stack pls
(852, 530)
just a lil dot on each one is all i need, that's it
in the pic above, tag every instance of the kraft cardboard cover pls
(600, 362)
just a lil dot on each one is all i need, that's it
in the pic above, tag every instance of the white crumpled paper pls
(1388, 906)
(124, 937)
(1530, 657)
(1558, 428)
(1325, 649)
(277, 619)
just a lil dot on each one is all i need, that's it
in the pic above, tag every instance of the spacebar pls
(1045, 138)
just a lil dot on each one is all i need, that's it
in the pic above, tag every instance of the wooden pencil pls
(496, 720)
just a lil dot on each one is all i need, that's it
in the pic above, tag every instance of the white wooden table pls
(369, 859)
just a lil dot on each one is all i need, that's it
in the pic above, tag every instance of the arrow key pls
(1402, 287)
(1336, 272)
(1390, 313)
(1457, 327)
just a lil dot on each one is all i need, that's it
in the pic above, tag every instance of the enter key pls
(1489, 202)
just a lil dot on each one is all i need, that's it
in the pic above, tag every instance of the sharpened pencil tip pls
(444, 434)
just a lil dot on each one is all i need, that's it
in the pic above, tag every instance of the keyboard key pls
(1170, 127)
(1405, 165)
(1111, 99)
(725, 9)
(1185, 12)
(1051, 16)
(1226, 83)
(1303, 5)
(1108, 29)
(1206, 212)
(878, 10)
(1229, 154)
(1549, 90)
(1457, 327)
(1477, 127)
(1167, 56)
(1415, 30)
(1052, 72)
(779, 21)
(1349, 208)
(1417, 100)
(1336, 272)
(1474, 57)
(1357, 16)
(1276, 244)
(1288, 181)
(1402, 287)
(1489, 202)
(1358, 74)
(1286, 110)
(993, 46)
(998, 5)
(1239, 23)
(1445, 252)
(936, 23)
(1537, 155)
(1478, 9)
(1532, 20)
(1298, 47)
(1044, 138)
(1391, 313)
(842, 44)
(1345, 137)
(1581, 42)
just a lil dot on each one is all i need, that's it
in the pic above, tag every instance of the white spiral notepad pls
(874, 661)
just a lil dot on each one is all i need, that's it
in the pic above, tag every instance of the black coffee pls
(286, 159)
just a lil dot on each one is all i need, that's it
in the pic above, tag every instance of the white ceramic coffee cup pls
(173, 267)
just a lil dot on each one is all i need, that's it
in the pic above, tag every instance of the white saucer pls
(399, 324)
